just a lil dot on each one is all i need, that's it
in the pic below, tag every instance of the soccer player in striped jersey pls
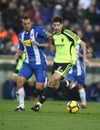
(29, 85)
(77, 74)
(35, 61)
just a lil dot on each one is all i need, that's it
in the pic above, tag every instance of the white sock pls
(82, 94)
(20, 97)
(38, 103)
(73, 85)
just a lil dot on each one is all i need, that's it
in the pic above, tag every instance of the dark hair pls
(57, 19)
(25, 18)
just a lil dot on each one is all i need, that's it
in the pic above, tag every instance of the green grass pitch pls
(52, 116)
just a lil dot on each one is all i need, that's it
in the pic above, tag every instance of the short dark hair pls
(57, 19)
(25, 18)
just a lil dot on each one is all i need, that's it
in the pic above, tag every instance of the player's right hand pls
(87, 62)
(18, 54)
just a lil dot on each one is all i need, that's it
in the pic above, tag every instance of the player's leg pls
(82, 93)
(14, 77)
(40, 74)
(29, 87)
(20, 93)
(53, 83)
(24, 74)
(78, 81)
(69, 79)
(38, 91)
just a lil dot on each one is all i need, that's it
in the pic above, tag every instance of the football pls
(73, 106)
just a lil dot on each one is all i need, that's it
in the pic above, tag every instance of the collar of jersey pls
(58, 33)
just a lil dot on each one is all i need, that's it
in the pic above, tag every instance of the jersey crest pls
(62, 39)
(27, 43)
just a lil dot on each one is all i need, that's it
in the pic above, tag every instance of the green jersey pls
(65, 44)
(20, 62)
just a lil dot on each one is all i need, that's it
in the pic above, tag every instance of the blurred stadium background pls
(81, 16)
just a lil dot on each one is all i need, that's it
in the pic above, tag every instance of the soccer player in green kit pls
(64, 43)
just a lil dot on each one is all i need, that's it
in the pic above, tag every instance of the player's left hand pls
(80, 55)
(86, 61)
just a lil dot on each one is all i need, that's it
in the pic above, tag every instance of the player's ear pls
(62, 25)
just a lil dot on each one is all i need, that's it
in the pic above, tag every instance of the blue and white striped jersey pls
(79, 67)
(34, 54)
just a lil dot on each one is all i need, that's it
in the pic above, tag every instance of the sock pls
(73, 85)
(37, 93)
(82, 95)
(20, 97)
(47, 92)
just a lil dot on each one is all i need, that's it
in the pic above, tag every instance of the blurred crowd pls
(80, 16)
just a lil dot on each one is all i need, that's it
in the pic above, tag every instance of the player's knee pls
(51, 83)
(20, 82)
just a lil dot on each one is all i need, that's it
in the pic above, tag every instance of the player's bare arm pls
(84, 51)
(51, 45)
(89, 55)
(40, 45)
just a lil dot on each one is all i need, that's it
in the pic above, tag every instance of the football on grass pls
(73, 106)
